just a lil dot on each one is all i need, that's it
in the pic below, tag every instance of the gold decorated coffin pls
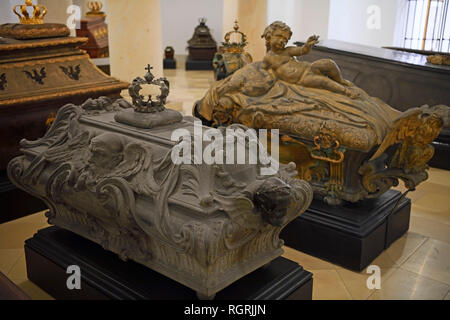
(41, 69)
(347, 144)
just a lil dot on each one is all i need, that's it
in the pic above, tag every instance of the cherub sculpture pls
(323, 73)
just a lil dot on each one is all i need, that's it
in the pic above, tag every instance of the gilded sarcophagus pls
(108, 171)
(41, 69)
(347, 144)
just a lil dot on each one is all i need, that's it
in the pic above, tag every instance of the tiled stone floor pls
(416, 266)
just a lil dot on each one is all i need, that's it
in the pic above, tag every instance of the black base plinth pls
(16, 203)
(169, 64)
(105, 276)
(441, 158)
(352, 235)
(199, 64)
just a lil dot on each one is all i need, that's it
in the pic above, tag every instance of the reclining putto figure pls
(324, 73)
(347, 144)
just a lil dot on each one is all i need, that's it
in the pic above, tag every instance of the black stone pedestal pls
(199, 64)
(15, 203)
(441, 144)
(352, 235)
(169, 64)
(105, 276)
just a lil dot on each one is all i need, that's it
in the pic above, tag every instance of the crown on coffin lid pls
(37, 17)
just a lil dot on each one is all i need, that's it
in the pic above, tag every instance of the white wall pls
(345, 20)
(180, 17)
(349, 18)
(313, 19)
(282, 10)
(305, 17)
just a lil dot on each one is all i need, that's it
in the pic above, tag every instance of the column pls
(134, 38)
(252, 18)
(230, 13)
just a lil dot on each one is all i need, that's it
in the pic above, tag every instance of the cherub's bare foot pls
(352, 93)
(347, 83)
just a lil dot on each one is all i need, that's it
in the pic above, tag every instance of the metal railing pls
(427, 25)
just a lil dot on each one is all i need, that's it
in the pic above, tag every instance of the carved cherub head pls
(272, 199)
(429, 129)
(326, 138)
(277, 34)
(106, 151)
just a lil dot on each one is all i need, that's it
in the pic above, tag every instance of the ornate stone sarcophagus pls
(107, 173)
(347, 144)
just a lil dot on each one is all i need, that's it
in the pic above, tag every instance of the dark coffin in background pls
(401, 79)
(202, 48)
(96, 30)
(38, 77)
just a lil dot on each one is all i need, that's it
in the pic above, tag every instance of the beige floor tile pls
(384, 260)
(440, 217)
(327, 285)
(431, 260)
(13, 234)
(433, 206)
(8, 258)
(19, 270)
(306, 261)
(33, 291)
(447, 297)
(404, 247)
(439, 176)
(356, 282)
(426, 188)
(405, 285)
(414, 195)
(430, 228)
(37, 218)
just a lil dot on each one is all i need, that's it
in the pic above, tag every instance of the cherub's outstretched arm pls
(305, 49)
